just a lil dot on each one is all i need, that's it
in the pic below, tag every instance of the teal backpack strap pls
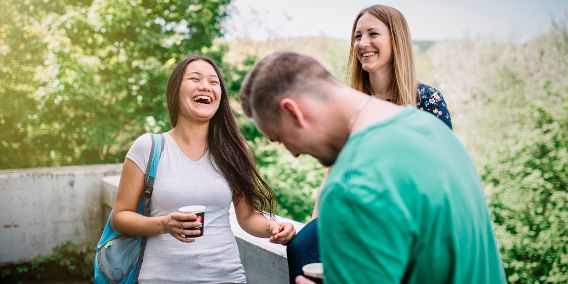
(152, 166)
(109, 261)
(149, 177)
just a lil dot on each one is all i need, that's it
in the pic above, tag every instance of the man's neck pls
(374, 111)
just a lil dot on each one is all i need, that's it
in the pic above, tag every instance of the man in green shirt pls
(403, 202)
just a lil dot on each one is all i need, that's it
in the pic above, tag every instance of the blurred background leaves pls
(80, 80)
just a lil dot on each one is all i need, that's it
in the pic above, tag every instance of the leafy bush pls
(529, 201)
(68, 262)
(295, 180)
(510, 106)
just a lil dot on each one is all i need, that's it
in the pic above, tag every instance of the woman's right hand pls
(176, 222)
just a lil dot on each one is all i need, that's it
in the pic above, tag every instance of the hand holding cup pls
(187, 223)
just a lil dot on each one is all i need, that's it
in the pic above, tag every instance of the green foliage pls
(68, 262)
(295, 180)
(529, 201)
(509, 105)
(80, 81)
(235, 74)
(523, 154)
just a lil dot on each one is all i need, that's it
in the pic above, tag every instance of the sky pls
(516, 20)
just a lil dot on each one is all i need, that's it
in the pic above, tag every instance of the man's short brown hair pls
(277, 75)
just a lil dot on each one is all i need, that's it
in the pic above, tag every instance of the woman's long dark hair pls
(227, 146)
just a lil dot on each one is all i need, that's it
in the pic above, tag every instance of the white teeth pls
(369, 54)
(202, 99)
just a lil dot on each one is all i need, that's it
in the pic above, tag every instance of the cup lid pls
(192, 209)
(313, 270)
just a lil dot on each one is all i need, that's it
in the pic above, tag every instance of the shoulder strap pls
(149, 177)
(152, 167)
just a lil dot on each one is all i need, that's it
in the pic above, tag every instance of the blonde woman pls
(380, 64)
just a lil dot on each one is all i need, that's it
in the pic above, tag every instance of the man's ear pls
(290, 107)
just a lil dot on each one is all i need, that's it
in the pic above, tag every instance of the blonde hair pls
(404, 83)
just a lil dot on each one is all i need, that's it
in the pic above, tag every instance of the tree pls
(83, 79)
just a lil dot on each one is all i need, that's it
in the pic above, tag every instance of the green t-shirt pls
(403, 203)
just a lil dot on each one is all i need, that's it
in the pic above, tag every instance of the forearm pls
(315, 212)
(133, 224)
(256, 224)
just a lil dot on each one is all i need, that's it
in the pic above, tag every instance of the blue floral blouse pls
(431, 100)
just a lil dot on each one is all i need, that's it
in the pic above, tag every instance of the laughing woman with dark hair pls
(205, 161)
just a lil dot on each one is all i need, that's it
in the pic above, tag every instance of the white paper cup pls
(314, 272)
(198, 210)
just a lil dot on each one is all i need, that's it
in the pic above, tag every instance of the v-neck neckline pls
(183, 153)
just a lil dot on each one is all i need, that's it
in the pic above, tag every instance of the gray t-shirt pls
(180, 181)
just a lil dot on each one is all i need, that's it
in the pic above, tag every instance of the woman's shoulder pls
(431, 100)
(425, 90)
(140, 149)
(143, 140)
(428, 96)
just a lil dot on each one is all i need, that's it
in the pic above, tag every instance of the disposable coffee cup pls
(314, 272)
(199, 211)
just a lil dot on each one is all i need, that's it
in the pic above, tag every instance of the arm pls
(254, 223)
(126, 221)
(432, 101)
(315, 213)
(367, 229)
(443, 112)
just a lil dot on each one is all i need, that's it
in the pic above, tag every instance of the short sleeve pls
(139, 152)
(367, 229)
(432, 101)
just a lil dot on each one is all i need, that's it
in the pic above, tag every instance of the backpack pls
(118, 258)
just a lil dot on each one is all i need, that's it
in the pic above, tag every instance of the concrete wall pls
(42, 208)
(263, 261)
